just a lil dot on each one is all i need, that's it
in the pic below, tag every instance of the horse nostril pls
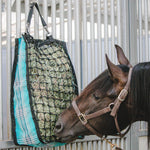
(58, 127)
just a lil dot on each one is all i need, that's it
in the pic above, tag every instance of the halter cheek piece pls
(112, 108)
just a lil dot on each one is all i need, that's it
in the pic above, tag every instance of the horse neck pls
(136, 114)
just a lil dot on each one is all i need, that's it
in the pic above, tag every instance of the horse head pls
(97, 96)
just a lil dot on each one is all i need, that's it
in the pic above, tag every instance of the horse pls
(114, 100)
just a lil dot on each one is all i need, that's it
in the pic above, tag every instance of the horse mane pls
(140, 92)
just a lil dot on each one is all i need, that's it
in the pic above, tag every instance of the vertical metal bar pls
(99, 145)
(122, 143)
(125, 26)
(79, 146)
(69, 27)
(61, 3)
(84, 49)
(89, 145)
(140, 30)
(9, 66)
(106, 27)
(36, 23)
(26, 10)
(45, 15)
(18, 18)
(69, 9)
(146, 29)
(92, 50)
(118, 23)
(74, 147)
(77, 43)
(53, 18)
(133, 31)
(112, 30)
(94, 145)
(1, 111)
(99, 33)
(84, 145)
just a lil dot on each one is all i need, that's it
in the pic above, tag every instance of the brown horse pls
(102, 92)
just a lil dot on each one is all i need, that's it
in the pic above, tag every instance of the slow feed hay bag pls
(43, 85)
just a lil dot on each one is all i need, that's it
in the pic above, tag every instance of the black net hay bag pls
(43, 85)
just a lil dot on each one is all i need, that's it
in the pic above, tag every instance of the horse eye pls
(96, 97)
(112, 96)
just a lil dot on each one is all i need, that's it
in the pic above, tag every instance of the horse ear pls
(121, 56)
(115, 72)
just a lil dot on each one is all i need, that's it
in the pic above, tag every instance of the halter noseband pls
(112, 108)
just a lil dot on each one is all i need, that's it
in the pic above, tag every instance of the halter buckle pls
(82, 118)
(122, 95)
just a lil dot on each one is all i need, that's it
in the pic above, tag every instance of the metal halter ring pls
(111, 105)
(82, 118)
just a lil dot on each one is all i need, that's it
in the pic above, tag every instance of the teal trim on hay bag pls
(43, 85)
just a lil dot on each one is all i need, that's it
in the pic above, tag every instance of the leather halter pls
(112, 108)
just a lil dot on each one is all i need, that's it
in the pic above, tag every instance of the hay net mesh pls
(52, 83)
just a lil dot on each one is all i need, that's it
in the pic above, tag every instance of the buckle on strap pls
(122, 95)
(82, 118)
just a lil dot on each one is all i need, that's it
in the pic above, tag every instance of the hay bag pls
(43, 85)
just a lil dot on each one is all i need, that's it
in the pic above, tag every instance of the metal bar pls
(61, 3)
(18, 18)
(74, 147)
(146, 29)
(133, 31)
(118, 23)
(77, 43)
(53, 18)
(26, 10)
(36, 23)
(1, 108)
(84, 145)
(94, 145)
(99, 38)
(140, 30)
(84, 46)
(79, 146)
(92, 47)
(99, 145)
(9, 65)
(45, 15)
(89, 145)
(112, 30)
(106, 27)
(69, 7)
(125, 26)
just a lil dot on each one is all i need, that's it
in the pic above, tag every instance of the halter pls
(112, 108)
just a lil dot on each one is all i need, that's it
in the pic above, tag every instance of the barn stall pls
(90, 28)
